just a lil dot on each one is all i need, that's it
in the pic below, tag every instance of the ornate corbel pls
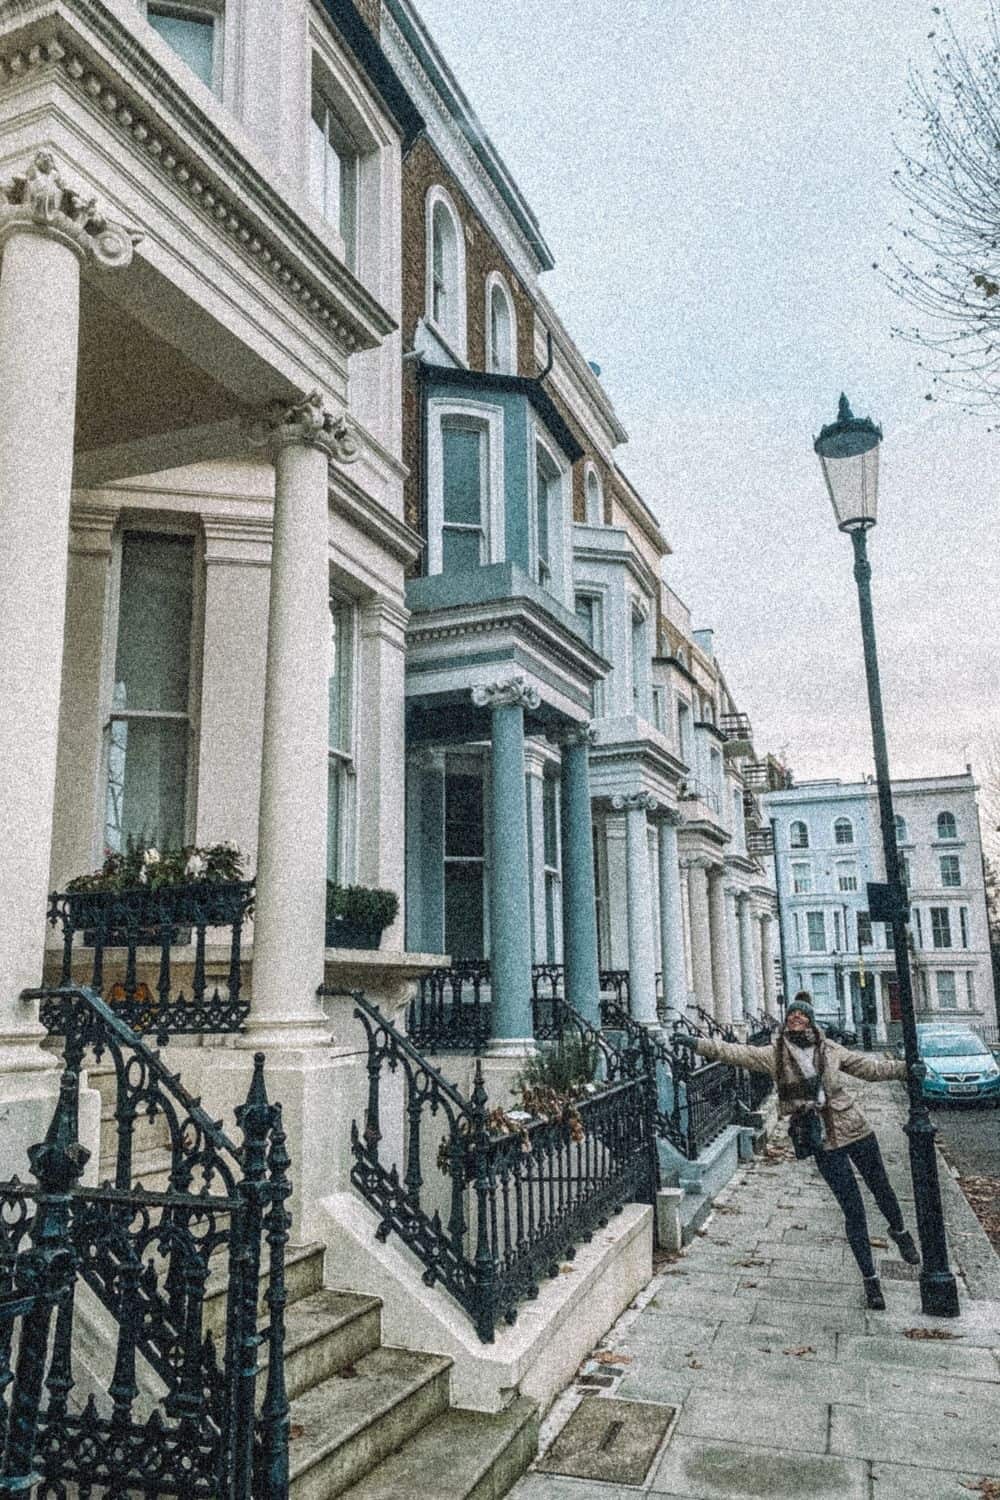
(307, 421)
(514, 692)
(641, 801)
(38, 201)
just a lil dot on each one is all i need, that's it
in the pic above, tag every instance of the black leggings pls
(835, 1166)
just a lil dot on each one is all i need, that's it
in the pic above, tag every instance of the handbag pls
(805, 1130)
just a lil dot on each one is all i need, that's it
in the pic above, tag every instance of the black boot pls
(903, 1240)
(873, 1294)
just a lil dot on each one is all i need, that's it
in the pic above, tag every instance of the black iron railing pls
(141, 988)
(707, 1096)
(760, 841)
(658, 1060)
(736, 726)
(491, 1203)
(147, 1257)
(452, 1010)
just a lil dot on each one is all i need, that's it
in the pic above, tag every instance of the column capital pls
(567, 736)
(514, 692)
(37, 201)
(671, 816)
(635, 802)
(285, 423)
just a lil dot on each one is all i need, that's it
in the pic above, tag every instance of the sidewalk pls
(782, 1384)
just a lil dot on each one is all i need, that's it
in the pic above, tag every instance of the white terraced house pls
(356, 756)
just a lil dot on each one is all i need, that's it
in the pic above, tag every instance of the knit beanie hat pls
(802, 1003)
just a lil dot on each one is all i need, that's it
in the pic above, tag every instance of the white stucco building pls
(828, 847)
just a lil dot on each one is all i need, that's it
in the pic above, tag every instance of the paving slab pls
(807, 1317)
(698, 1470)
(934, 1357)
(904, 1482)
(919, 1390)
(745, 1416)
(795, 1291)
(815, 1379)
(704, 1305)
(917, 1438)
(761, 1338)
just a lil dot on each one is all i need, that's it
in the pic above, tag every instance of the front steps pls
(368, 1422)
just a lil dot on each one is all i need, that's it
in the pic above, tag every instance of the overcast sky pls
(715, 183)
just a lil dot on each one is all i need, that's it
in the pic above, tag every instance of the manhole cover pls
(607, 1439)
(898, 1270)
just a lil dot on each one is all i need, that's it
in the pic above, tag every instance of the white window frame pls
(639, 666)
(168, 527)
(950, 885)
(349, 247)
(810, 946)
(827, 997)
(490, 420)
(684, 718)
(953, 823)
(593, 496)
(552, 874)
(963, 926)
(560, 536)
(461, 766)
(798, 823)
(840, 843)
(198, 10)
(944, 929)
(946, 974)
(970, 989)
(346, 756)
(453, 333)
(596, 597)
(902, 831)
(497, 286)
(847, 871)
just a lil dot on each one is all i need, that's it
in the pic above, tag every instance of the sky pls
(715, 183)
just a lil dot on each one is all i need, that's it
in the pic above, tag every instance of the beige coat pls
(842, 1118)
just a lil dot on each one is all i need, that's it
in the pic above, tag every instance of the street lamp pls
(848, 453)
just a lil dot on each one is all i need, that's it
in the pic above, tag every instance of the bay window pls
(147, 729)
(816, 931)
(194, 33)
(333, 173)
(947, 994)
(940, 927)
(463, 529)
(464, 864)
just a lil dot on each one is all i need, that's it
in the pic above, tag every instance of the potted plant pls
(135, 893)
(357, 915)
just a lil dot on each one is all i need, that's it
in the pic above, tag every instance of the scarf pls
(800, 1074)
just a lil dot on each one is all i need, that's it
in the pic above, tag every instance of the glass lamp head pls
(848, 453)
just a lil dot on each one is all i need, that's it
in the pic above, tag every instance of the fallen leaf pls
(565, 1270)
(930, 1333)
(609, 1357)
(800, 1226)
(347, 1372)
(296, 1430)
(677, 1271)
(879, 1244)
(727, 1208)
(749, 1264)
(695, 1364)
(799, 1350)
(988, 1488)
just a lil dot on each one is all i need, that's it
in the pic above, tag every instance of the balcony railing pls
(760, 841)
(491, 1201)
(693, 790)
(133, 934)
(736, 726)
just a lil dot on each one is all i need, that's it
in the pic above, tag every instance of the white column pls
(382, 753)
(617, 893)
(723, 1008)
(758, 956)
(751, 1005)
(641, 959)
(733, 944)
(291, 844)
(46, 230)
(701, 940)
(767, 952)
(671, 920)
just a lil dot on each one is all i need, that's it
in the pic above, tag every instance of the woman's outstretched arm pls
(735, 1055)
(869, 1066)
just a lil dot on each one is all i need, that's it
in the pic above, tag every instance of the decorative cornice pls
(635, 802)
(567, 736)
(352, 316)
(513, 692)
(282, 424)
(37, 201)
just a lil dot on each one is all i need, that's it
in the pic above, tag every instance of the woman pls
(824, 1121)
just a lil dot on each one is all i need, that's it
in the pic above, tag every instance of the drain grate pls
(898, 1270)
(608, 1439)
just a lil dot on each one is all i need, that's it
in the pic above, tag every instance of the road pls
(971, 1138)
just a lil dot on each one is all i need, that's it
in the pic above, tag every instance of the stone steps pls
(461, 1455)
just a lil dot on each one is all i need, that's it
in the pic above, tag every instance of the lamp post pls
(848, 453)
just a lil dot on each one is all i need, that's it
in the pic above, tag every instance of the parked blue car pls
(960, 1066)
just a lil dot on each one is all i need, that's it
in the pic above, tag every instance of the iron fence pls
(522, 1193)
(141, 987)
(452, 1009)
(147, 1257)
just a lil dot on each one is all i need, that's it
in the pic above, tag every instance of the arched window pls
(501, 328)
(902, 833)
(445, 271)
(798, 835)
(594, 497)
(946, 826)
(843, 831)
